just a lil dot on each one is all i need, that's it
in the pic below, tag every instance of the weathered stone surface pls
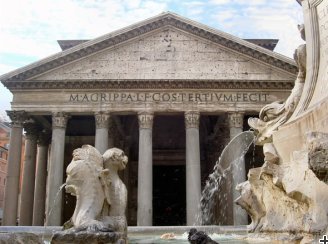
(167, 53)
(99, 215)
(321, 49)
(297, 204)
(85, 237)
(174, 98)
(286, 193)
(167, 58)
(20, 238)
(275, 114)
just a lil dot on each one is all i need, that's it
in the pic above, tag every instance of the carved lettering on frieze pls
(192, 119)
(169, 97)
(145, 120)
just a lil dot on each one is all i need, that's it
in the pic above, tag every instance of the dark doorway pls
(169, 195)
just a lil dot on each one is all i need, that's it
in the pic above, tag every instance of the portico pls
(168, 91)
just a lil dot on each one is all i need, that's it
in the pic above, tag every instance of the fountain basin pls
(140, 234)
(152, 234)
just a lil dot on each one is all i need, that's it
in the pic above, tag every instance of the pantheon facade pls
(169, 91)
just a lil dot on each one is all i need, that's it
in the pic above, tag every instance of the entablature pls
(150, 84)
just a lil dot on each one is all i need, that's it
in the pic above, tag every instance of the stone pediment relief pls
(104, 44)
(167, 53)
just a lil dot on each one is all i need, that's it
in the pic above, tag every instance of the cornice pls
(149, 84)
(166, 19)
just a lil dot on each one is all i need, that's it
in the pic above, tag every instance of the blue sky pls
(29, 29)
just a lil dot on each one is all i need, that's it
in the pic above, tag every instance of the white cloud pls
(225, 15)
(219, 2)
(38, 24)
(132, 3)
(238, 2)
(5, 98)
(263, 19)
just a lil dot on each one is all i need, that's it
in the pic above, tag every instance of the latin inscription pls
(162, 97)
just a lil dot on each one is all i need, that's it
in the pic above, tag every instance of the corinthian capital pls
(44, 138)
(192, 119)
(59, 119)
(145, 120)
(31, 130)
(236, 120)
(102, 120)
(17, 117)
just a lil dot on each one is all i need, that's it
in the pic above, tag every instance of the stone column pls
(111, 135)
(238, 170)
(193, 174)
(13, 170)
(56, 169)
(41, 179)
(27, 192)
(145, 170)
(102, 123)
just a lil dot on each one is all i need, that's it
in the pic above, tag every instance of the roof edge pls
(167, 18)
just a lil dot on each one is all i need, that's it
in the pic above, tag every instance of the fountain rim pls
(218, 229)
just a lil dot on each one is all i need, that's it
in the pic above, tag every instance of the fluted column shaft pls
(41, 180)
(145, 170)
(193, 173)
(13, 170)
(238, 170)
(27, 195)
(56, 167)
(102, 123)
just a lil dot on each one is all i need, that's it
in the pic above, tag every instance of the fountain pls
(288, 195)
(286, 198)
(231, 156)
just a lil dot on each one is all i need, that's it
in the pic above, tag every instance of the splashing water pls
(55, 200)
(213, 205)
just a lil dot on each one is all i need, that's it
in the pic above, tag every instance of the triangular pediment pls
(167, 46)
(167, 53)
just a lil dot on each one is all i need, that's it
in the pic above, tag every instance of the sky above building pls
(30, 29)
